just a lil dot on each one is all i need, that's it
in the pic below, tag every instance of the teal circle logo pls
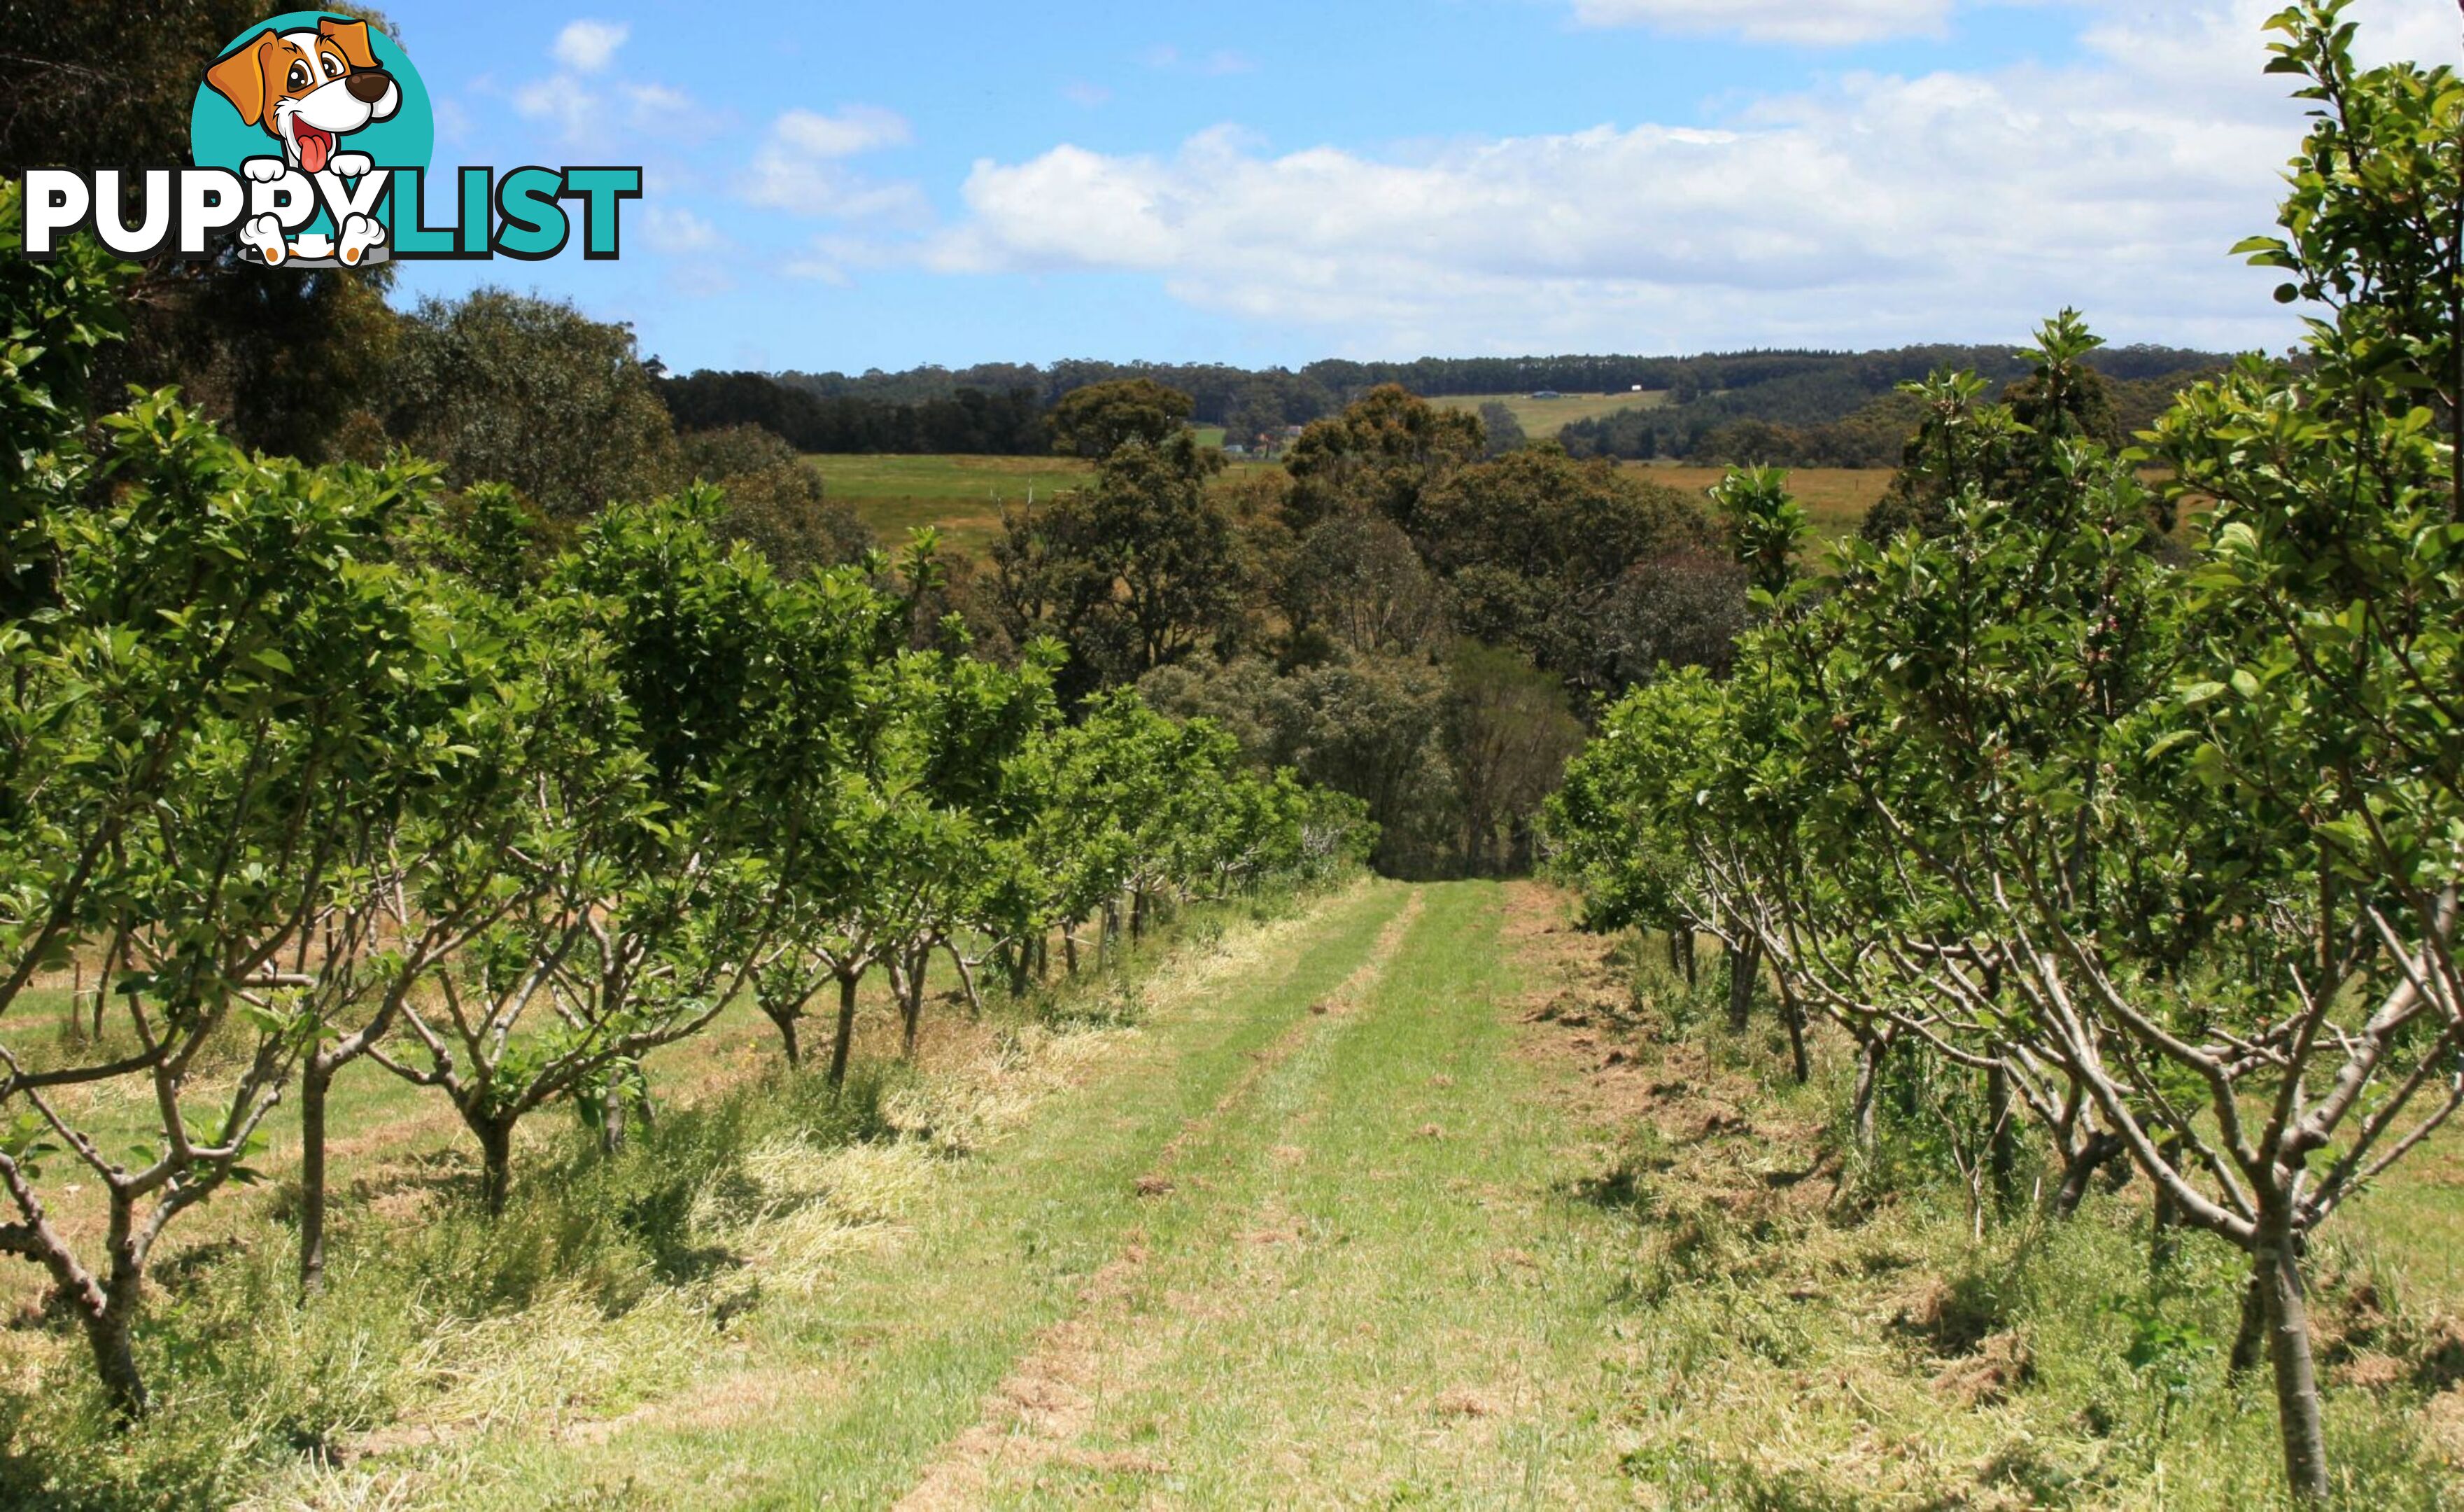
(328, 105)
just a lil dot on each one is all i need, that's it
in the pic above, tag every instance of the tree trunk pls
(496, 1164)
(2164, 1223)
(1070, 947)
(1693, 970)
(787, 1042)
(966, 980)
(2275, 1264)
(1794, 1012)
(844, 1043)
(611, 1113)
(1744, 964)
(316, 1080)
(108, 1333)
(2001, 1151)
(911, 1007)
(1869, 1078)
(1137, 916)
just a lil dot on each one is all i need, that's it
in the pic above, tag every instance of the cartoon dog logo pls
(308, 89)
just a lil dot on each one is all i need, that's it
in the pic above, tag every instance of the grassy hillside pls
(1838, 497)
(1541, 420)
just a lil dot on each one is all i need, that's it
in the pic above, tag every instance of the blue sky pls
(843, 186)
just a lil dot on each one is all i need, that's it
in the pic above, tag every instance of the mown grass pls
(1812, 1329)
(1369, 1289)
(963, 496)
(864, 1382)
(1411, 1196)
(611, 1283)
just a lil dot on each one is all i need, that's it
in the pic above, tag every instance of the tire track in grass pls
(1050, 1396)
(1399, 1306)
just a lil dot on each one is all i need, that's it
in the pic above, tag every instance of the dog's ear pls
(352, 38)
(241, 78)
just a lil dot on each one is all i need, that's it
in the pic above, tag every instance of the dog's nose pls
(369, 84)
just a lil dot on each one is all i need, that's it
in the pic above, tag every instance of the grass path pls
(1296, 1239)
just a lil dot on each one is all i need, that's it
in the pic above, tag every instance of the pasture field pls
(1394, 1195)
(1542, 419)
(1837, 498)
(962, 495)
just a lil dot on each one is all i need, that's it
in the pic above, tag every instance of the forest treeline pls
(2111, 858)
(1801, 408)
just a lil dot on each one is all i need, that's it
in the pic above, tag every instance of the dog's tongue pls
(315, 148)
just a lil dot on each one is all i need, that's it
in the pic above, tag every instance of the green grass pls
(963, 496)
(1542, 419)
(1369, 1287)
(1304, 1208)
(898, 1353)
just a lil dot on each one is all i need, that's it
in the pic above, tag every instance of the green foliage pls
(503, 388)
(1141, 570)
(1097, 421)
(776, 503)
(310, 765)
(1382, 454)
(2176, 854)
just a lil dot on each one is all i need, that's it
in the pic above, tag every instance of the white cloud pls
(585, 110)
(1877, 209)
(562, 101)
(587, 47)
(655, 108)
(678, 232)
(800, 166)
(855, 130)
(1823, 23)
